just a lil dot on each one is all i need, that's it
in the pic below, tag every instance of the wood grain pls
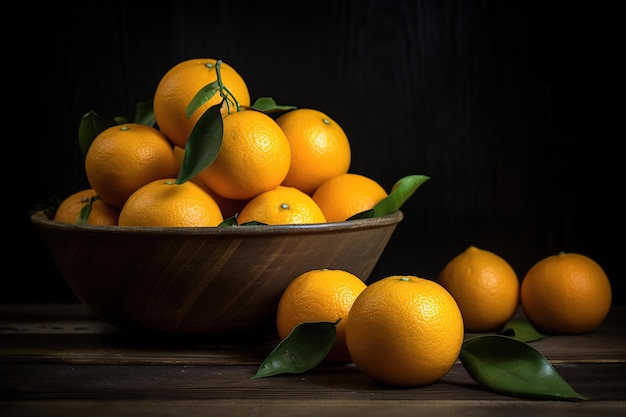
(223, 282)
(61, 359)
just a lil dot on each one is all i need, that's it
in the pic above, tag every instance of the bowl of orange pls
(205, 208)
(221, 283)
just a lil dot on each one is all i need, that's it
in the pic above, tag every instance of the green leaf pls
(520, 330)
(144, 113)
(203, 145)
(52, 204)
(84, 213)
(306, 347)
(231, 221)
(268, 105)
(401, 191)
(83, 217)
(511, 367)
(91, 124)
(202, 96)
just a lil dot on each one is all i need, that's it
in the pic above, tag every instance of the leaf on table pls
(401, 191)
(511, 367)
(521, 330)
(203, 145)
(303, 349)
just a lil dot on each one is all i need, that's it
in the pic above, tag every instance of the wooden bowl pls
(219, 282)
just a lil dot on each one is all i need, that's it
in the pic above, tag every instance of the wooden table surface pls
(60, 360)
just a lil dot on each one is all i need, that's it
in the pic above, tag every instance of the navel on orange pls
(101, 214)
(404, 331)
(320, 149)
(282, 205)
(163, 203)
(484, 286)
(125, 157)
(567, 293)
(254, 157)
(345, 195)
(179, 86)
(320, 295)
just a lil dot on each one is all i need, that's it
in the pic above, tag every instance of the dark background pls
(510, 107)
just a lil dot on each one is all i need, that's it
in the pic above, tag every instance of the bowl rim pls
(41, 219)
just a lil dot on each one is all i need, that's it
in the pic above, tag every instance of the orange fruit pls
(178, 87)
(254, 157)
(404, 331)
(125, 157)
(484, 286)
(179, 153)
(228, 207)
(319, 148)
(102, 213)
(347, 194)
(567, 293)
(282, 205)
(320, 295)
(163, 203)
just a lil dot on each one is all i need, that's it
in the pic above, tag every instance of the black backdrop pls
(508, 106)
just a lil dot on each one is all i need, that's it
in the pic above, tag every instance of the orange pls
(229, 207)
(404, 331)
(320, 295)
(122, 158)
(163, 203)
(319, 148)
(484, 286)
(254, 157)
(567, 293)
(178, 87)
(102, 214)
(180, 154)
(347, 194)
(282, 205)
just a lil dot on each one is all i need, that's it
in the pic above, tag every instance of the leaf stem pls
(225, 93)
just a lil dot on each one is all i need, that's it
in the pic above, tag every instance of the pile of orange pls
(567, 293)
(400, 331)
(404, 330)
(294, 168)
(272, 168)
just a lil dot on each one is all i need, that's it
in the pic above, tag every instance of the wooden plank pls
(68, 333)
(313, 407)
(599, 382)
(61, 360)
